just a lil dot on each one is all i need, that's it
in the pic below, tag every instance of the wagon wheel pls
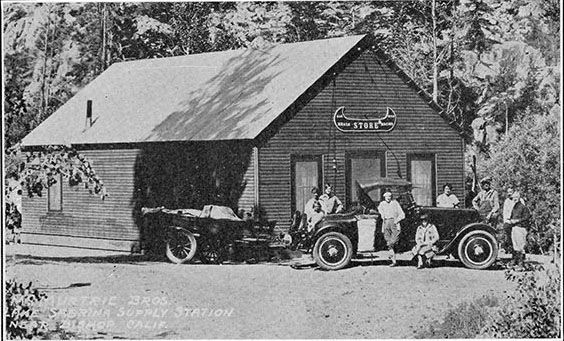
(211, 253)
(180, 246)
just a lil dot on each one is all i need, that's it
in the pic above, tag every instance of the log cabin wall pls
(364, 87)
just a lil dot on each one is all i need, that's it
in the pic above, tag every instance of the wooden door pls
(305, 175)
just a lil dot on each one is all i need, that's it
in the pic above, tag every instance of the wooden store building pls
(252, 128)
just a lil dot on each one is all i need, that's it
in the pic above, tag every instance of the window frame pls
(294, 158)
(425, 157)
(361, 154)
(49, 195)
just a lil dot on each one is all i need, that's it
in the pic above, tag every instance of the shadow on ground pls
(114, 259)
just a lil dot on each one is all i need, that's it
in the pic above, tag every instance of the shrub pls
(463, 321)
(528, 158)
(532, 311)
(21, 319)
(13, 221)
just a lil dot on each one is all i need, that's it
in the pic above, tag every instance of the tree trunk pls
(44, 73)
(435, 72)
(103, 24)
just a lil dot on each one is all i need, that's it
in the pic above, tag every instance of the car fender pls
(333, 227)
(179, 228)
(452, 246)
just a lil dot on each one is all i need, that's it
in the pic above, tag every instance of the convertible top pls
(209, 211)
(381, 183)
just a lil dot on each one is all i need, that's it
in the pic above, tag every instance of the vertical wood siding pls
(365, 87)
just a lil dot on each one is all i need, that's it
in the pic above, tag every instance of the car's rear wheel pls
(333, 251)
(180, 246)
(478, 250)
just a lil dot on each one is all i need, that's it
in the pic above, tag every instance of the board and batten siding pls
(365, 87)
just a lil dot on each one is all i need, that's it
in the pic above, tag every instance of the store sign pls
(382, 124)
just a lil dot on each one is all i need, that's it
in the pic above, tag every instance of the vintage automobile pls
(338, 238)
(208, 234)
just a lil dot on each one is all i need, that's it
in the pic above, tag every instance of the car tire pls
(181, 246)
(211, 253)
(477, 250)
(333, 251)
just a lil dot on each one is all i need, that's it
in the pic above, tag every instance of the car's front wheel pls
(211, 252)
(333, 251)
(478, 250)
(180, 246)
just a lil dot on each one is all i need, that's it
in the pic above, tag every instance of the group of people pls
(516, 219)
(320, 205)
(515, 215)
(426, 235)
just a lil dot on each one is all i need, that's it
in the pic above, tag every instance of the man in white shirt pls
(391, 213)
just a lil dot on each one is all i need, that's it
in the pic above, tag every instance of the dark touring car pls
(338, 238)
(209, 234)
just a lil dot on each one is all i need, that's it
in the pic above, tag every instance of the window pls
(306, 173)
(363, 167)
(421, 173)
(55, 194)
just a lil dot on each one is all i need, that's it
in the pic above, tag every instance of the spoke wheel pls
(332, 251)
(180, 246)
(211, 253)
(478, 250)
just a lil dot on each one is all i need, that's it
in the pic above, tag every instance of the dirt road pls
(127, 297)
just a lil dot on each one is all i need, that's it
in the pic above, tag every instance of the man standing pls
(520, 221)
(330, 203)
(391, 213)
(310, 205)
(447, 199)
(487, 202)
(506, 213)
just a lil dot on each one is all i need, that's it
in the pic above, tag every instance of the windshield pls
(400, 189)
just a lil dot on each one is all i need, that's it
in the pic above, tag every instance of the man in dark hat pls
(487, 202)
(425, 238)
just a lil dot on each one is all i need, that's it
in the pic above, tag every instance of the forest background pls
(493, 65)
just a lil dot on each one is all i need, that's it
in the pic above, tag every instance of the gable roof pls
(227, 95)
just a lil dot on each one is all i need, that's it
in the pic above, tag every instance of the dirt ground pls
(100, 295)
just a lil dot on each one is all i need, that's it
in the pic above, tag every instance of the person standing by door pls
(310, 205)
(329, 202)
(392, 214)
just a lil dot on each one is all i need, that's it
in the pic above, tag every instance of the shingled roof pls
(229, 95)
